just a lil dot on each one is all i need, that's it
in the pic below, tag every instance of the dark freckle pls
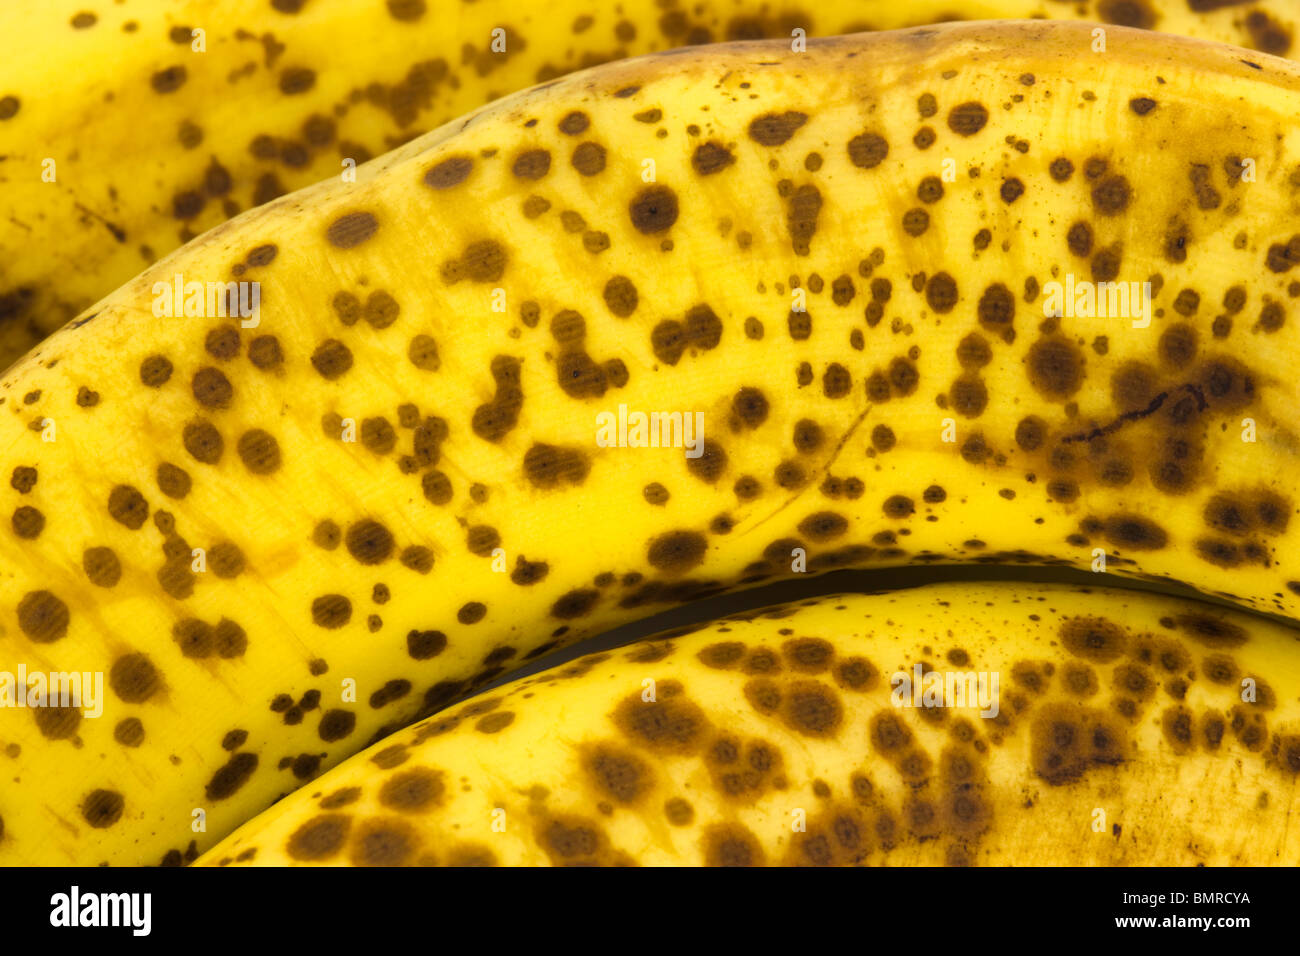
(711, 157)
(265, 353)
(1111, 195)
(975, 449)
(1105, 264)
(574, 123)
(916, 221)
(1212, 631)
(351, 229)
(868, 150)
(259, 451)
(128, 506)
(668, 341)
(812, 708)
(336, 724)
(549, 466)
(1178, 345)
(654, 210)
(1061, 169)
(331, 359)
(28, 522)
(711, 463)
(808, 436)
(262, 255)
(187, 204)
(823, 526)
(448, 173)
(774, 129)
(331, 611)
(723, 655)
(750, 407)
(1079, 239)
(589, 159)
(1138, 13)
(789, 474)
(801, 219)
(903, 376)
(23, 479)
(677, 551)
(703, 328)
(1055, 367)
(297, 79)
(1142, 105)
(655, 493)
(1135, 532)
(889, 734)
(232, 776)
(837, 381)
(211, 388)
(973, 351)
(941, 292)
(930, 190)
(1133, 386)
(168, 80)
(968, 396)
(1267, 35)
(996, 310)
(482, 261)
(155, 371)
(1271, 317)
(898, 506)
(968, 118)
(203, 442)
(800, 325)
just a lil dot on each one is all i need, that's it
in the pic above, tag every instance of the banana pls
(284, 536)
(985, 724)
(128, 129)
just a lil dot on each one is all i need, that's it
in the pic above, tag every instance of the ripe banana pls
(995, 724)
(281, 542)
(129, 129)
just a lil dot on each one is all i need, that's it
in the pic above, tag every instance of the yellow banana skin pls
(786, 737)
(266, 597)
(154, 141)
